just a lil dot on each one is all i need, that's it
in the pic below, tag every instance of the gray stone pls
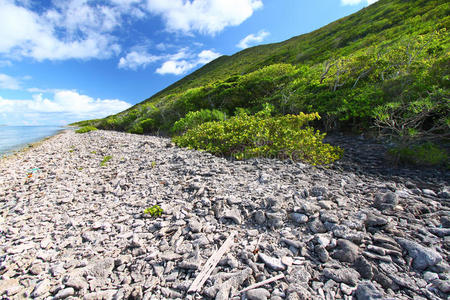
(316, 226)
(299, 218)
(260, 217)
(169, 255)
(272, 262)
(443, 286)
(318, 191)
(62, 294)
(299, 274)
(258, 294)
(233, 214)
(101, 269)
(102, 295)
(422, 257)
(346, 275)
(429, 192)
(376, 221)
(386, 201)
(445, 221)
(195, 226)
(367, 291)
(346, 251)
(321, 253)
(42, 288)
(77, 282)
(430, 276)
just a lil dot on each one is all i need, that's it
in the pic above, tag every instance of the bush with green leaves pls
(85, 129)
(195, 118)
(426, 154)
(261, 135)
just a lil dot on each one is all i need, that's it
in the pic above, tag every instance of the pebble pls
(351, 229)
(272, 262)
(258, 294)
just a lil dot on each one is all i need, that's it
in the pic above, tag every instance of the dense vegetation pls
(262, 135)
(85, 129)
(385, 69)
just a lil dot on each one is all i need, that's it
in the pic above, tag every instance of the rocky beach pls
(72, 224)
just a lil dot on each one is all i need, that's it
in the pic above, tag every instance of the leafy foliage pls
(85, 129)
(384, 68)
(427, 154)
(154, 211)
(245, 136)
(195, 118)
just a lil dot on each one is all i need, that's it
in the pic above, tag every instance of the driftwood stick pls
(264, 282)
(211, 264)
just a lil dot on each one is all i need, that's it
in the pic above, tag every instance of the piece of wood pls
(264, 282)
(212, 262)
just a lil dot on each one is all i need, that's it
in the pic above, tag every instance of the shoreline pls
(77, 229)
(16, 150)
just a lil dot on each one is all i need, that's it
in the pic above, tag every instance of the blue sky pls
(67, 60)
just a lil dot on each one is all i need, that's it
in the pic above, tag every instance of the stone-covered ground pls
(358, 229)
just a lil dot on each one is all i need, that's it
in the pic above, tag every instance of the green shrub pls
(195, 118)
(147, 125)
(245, 136)
(85, 129)
(136, 128)
(154, 211)
(427, 154)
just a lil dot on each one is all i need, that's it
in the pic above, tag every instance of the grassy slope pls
(387, 27)
(342, 37)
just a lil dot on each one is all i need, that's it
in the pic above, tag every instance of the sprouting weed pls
(154, 211)
(105, 160)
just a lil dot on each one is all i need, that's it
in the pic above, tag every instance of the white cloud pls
(253, 39)
(204, 16)
(70, 29)
(355, 2)
(8, 82)
(183, 61)
(134, 60)
(65, 104)
(176, 67)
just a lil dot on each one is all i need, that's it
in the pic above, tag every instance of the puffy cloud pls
(134, 60)
(355, 2)
(204, 16)
(69, 29)
(65, 104)
(183, 61)
(8, 82)
(176, 67)
(253, 39)
(206, 56)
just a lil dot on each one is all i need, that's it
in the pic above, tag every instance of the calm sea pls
(15, 137)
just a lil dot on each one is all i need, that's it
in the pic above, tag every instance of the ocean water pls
(16, 137)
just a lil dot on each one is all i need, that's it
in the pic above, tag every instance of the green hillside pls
(384, 68)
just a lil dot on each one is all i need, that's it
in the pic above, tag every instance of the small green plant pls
(427, 154)
(154, 211)
(85, 129)
(153, 164)
(105, 160)
(93, 152)
(71, 150)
